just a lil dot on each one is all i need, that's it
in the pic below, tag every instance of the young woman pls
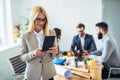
(39, 64)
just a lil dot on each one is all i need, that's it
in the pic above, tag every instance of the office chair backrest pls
(17, 65)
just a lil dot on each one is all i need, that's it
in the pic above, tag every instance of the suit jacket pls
(36, 66)
(89, 43)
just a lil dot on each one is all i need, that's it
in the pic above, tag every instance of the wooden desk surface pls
(95, 73)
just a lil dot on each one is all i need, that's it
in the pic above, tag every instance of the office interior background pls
(64, 14)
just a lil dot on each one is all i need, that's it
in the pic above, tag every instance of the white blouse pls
(40, 38)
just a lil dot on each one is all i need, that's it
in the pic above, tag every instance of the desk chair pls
(18, 67)
(110, 69)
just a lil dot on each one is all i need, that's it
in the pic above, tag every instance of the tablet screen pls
(48, 42)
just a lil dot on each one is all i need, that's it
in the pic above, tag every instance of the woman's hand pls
(53, 50)
(38, 52)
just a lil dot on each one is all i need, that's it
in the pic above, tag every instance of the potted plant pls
(85, 66)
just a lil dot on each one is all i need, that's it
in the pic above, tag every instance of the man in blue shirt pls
(108, 51)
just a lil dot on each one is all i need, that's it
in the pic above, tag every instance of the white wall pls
(65, 14)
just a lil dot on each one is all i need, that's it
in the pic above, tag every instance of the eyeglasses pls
(40, 20)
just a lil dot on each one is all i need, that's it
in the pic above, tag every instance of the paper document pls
(62, 71)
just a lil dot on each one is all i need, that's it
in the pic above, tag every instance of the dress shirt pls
(40, 38)
(108, 53)
(82, 41)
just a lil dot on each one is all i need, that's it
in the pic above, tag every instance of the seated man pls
(82, 41)
(107, 53)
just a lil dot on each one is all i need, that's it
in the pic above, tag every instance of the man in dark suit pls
(82, 41)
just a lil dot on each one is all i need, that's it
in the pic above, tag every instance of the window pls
(2, 41)
(6, 29)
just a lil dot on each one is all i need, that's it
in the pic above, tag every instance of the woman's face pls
(39, 22)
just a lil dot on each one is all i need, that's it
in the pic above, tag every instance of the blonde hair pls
(35, 12)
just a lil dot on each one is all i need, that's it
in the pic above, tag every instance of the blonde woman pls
(39, 64)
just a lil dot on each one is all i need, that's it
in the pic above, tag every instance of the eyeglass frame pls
(40, 20)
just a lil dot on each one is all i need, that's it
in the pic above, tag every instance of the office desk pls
(95, 73)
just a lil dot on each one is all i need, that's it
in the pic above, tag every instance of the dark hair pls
(81, 25)
(102, 25)
(57, 31)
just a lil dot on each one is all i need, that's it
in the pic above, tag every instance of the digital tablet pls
(48, 42)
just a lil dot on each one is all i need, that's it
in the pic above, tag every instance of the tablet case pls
(48, 42)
